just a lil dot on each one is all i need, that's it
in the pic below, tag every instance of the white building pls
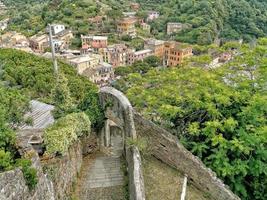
(3, 24)
(57, 28)
(152, 15)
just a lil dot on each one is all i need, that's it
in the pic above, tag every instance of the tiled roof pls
(41, 115)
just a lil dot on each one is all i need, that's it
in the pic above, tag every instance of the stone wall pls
(55, 176)
(169, 150)
(119, 110)
(63, 171)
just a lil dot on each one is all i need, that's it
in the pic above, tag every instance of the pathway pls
(103, 178)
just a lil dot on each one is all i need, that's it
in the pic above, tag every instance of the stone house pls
(82, 63)
(97, 20)
(175, 53)
(145, 27)
(157, 47)
(135, 6)
(126, 26)
(175, 27)
(13, 39)
(38, 43)
(101, 75)
(138, 55)
(116, 54)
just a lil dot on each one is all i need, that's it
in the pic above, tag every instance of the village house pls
(129, 14)
(152, 15)
(82, 63)
(135, 6)
(138, 55)
(116, 54)
(15, 40)
(157, 47)
(94, 42)
(97, 20)
(225, 57)
(3, 8)
(145, 27)
(175, 27)
(57, 28)
(175, 53)
(101, 75)
(126, 26)
(61, 36)
(4, 24)
(38, 43)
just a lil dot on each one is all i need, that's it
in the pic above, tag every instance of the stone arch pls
(119, 110)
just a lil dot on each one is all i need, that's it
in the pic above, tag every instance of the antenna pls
(53, 50)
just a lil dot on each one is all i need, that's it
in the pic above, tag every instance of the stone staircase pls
(104, 178)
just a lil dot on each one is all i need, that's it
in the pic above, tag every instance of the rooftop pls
(154, 42)
(82, 59)
(142, 52)
(41, 115)
(94, 37)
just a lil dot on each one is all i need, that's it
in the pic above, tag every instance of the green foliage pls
(29, 173)
(140, 143)
(6, 161)
(219, 115)
(59, 137)
(209, 20)
(35, 78)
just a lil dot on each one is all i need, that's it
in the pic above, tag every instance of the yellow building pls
(126, 26)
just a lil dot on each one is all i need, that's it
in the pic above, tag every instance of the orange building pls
(157, 47)
(126, 26)
(175, 53)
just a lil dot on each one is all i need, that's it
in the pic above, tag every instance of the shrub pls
(5, 161)
(29, 173)
(65, 131)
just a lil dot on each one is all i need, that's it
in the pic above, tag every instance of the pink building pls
(94, 42)
(138, 55)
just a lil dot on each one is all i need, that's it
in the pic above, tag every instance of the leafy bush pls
(219, 115)
(29, 173)
(59, 137)
(6, 162)
(34, 76)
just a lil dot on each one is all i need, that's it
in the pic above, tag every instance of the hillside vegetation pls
(219, 115)
(24, 77)
(209, 20)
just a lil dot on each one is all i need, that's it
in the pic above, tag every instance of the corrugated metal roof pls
(41, 115)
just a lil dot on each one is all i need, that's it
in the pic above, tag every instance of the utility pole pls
(53, 51)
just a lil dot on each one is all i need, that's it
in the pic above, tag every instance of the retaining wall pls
(169, 150)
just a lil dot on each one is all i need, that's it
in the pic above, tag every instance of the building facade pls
(94, 42)
(175, 53)
(38, 43)
(116, 54)
(138, 55)
(174, 27)
(157, 47)
(126, 26)
(57, 28)
(81, 63)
